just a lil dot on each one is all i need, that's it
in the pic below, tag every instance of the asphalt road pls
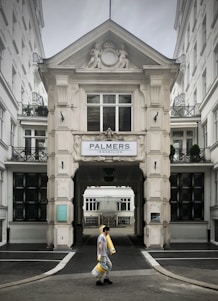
(133, 277)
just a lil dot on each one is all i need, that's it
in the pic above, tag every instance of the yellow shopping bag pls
(110, 244)
(99, 270)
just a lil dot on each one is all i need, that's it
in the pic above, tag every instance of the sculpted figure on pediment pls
(123, 60)
(107, 56)
(95, 60)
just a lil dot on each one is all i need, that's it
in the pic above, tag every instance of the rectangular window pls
(14, 76)
(2, 48)
(216, 125)
(109, 111)
(194, 15)
(194, 58)
(12, 133)
(91, 204)
(188, 76)
(35, 144)
(29, 197)
(205, 134)
(204, 84)
(1, 122)
(215, 13)
(124, 204)
(216, 61)
(204, 35)
(187, 196)
(1, 183)
(216, 188)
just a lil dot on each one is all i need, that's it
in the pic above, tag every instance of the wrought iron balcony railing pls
(184, 111)
(30, 154)
(184, 156)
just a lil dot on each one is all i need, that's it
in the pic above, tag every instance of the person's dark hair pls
(106, 228)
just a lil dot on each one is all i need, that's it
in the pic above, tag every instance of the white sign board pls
(109, 148)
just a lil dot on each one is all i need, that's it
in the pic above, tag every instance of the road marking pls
(189, 258)
(181, 251)
(150, 259)
(58, 267)
(46, 252)
(29, 260)
(61, 264)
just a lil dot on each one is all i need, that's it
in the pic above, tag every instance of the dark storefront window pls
(29, 197)
(187, 196)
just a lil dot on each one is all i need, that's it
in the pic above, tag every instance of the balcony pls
(34, 110)
(20, 154)
(184, 111)
(184, 156)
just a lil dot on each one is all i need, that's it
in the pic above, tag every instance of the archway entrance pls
(108, 206)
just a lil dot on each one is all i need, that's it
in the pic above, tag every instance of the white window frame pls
(216, 125)
(117, 105)
(1, 121)
(91, 204)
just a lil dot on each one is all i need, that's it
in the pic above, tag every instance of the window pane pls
(109, 118)
(32, 181)
(19, 181)
(18, 211)
(43, 212)
(125, 119)
(27, 132)
(28, 145)
(39, 133)
(177, 133)
(189, 133)
(93, 118)
(124, 98)
(109, 99)
(44, 180)
(93, 99)
(19, 195)
(31, 212)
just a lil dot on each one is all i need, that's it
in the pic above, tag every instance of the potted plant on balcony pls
(28, 110)
(195, 153)
(172, 152)
(42, 111)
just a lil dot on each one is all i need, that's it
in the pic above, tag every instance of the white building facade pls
(108, 205)
(194, 111)
(22, 130)
(109, 124)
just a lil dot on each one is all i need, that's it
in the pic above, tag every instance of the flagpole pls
(109, 9)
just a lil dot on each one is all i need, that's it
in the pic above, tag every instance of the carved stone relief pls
(108, 56)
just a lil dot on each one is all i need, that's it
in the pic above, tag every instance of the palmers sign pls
(109, 148)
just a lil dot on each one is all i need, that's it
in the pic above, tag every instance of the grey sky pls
(152, 21)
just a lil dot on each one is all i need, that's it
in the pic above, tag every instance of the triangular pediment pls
(109, 47)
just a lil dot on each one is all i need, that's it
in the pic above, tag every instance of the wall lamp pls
(62, 116)
(155, 117)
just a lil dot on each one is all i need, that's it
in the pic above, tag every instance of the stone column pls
(156, 186)
(60, 168)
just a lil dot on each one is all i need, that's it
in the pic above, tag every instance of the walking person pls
(102, 257)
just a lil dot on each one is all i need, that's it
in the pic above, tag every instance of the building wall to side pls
(20, 37)
(197, 51)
